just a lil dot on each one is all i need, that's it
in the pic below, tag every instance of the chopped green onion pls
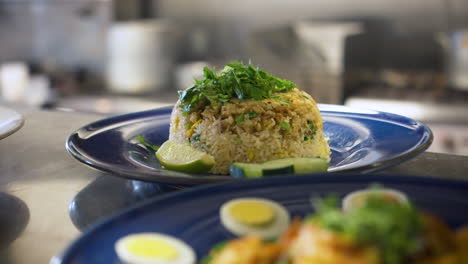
(313, 129)
(285, 126)
(240, 118)
(281, 100)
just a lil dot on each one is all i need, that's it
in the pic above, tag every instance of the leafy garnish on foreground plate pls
(394, 228)
(236, 80)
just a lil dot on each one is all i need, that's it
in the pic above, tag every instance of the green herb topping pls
(310, 134)
(146, 144)
(240, 118)
(286, 102)
(395, 229)
(236, 80)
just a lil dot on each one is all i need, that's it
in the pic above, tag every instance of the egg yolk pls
(252, 212)
(152, 248)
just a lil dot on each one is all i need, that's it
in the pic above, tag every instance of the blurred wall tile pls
(16, 32)
(231, 23)
(56, 33)
(269, 12)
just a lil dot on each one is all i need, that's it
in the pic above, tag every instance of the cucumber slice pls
(254, 170)
(276, 169)
(245, 170)
(302, 165)
(279, 166)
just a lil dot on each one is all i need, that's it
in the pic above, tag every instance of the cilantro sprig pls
(146, 144)
(236, 80)
(395, 229)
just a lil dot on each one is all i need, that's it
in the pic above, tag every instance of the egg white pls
(348, 202)
(272, 230)
(186, 254)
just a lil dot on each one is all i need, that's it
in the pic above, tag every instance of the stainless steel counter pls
(47, 197)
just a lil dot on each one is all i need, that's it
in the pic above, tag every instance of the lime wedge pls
(182, 157)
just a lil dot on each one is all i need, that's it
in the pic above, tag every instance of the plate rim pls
(142, 176)
(329, 178)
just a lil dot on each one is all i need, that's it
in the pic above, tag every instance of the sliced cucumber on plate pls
(303, 165)
(278, 166)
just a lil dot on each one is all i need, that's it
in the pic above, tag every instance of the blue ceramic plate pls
(192, 215)
(361, 140)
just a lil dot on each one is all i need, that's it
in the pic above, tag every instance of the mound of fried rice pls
(253, 131)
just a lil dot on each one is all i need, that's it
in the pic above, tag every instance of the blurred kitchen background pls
(118, 56)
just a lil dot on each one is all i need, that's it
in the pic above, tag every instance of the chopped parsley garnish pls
(394, 229)
(240, 118)
(146, 144)
(236, 80)
(281, 99)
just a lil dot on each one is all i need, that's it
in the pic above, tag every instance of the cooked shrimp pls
(247, 250)
(315, 245)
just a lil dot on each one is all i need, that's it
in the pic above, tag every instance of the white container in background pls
(140, 56)
(458, 60)
(14, 79)
(185, 74)
(327, 39)
(38, 92)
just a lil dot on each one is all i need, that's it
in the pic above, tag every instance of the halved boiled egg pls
(154, 248)
(356, 199)
(254, 216)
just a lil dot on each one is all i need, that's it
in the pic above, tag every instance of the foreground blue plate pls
(192, 215)
(361, 140)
